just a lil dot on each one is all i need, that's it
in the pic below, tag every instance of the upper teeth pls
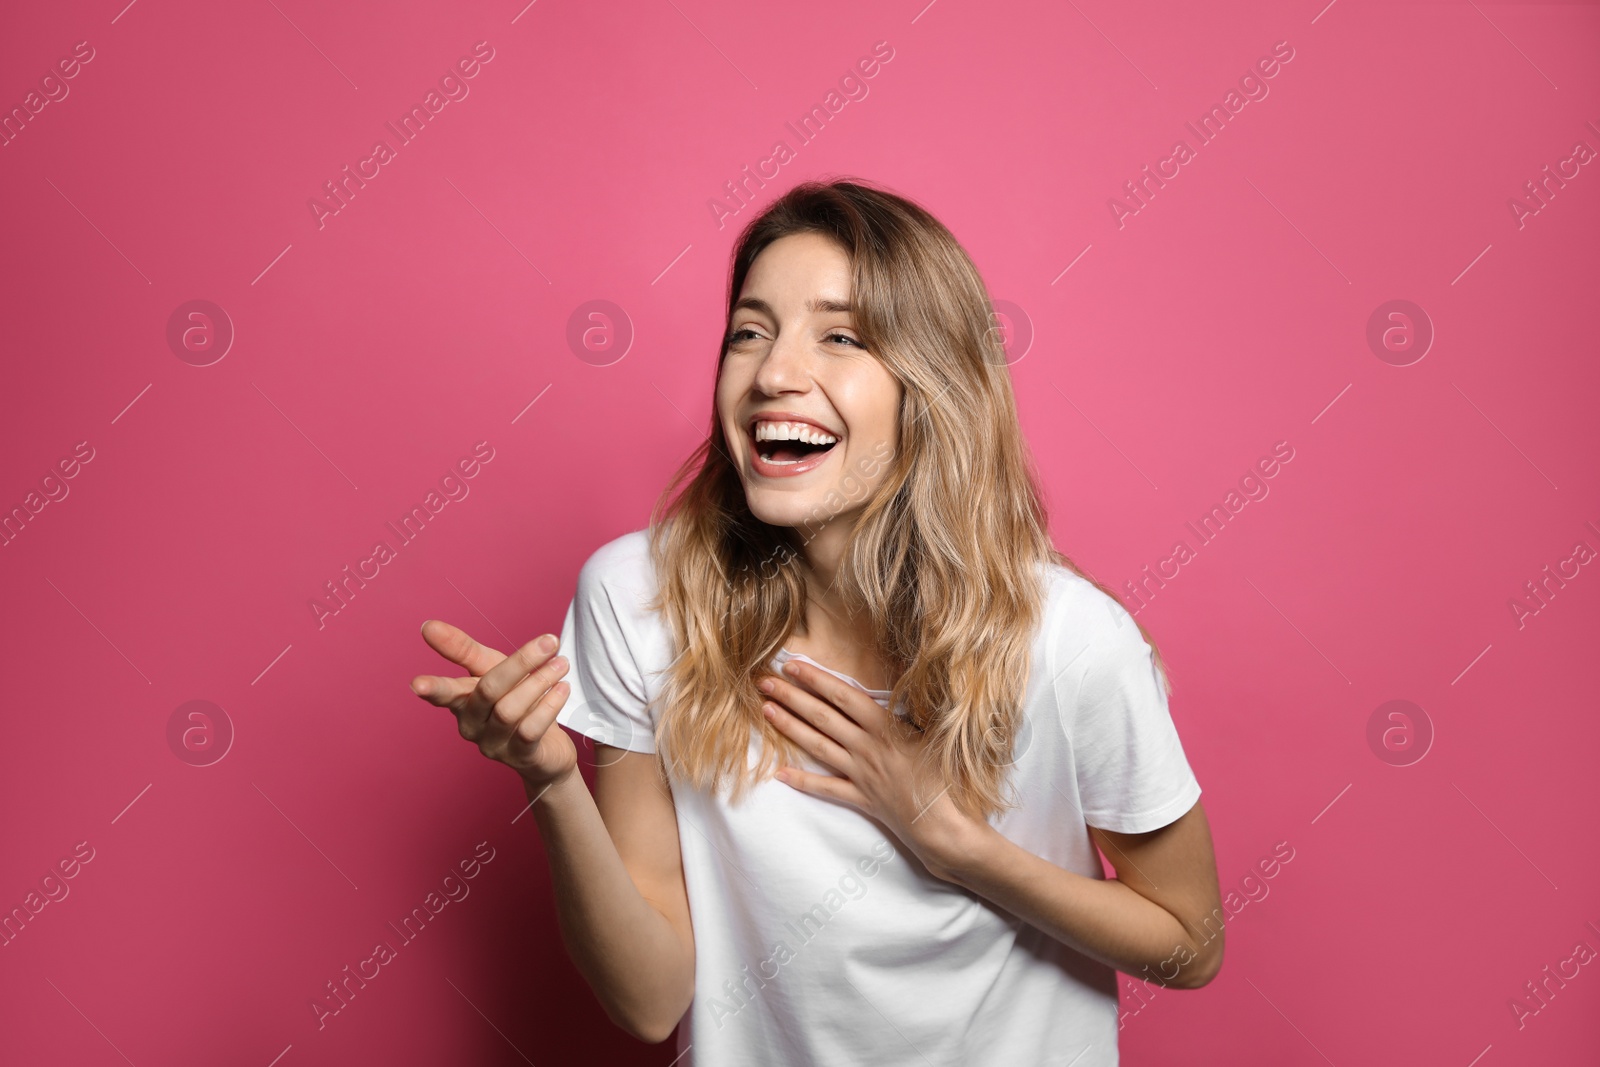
(793, 431)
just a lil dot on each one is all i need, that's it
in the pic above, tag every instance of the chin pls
(806, 513)
(776, 508)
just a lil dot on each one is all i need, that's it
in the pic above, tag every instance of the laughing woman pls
(859, 727)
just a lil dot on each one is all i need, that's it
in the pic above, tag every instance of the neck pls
(827, 620)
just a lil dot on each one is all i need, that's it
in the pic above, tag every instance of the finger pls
(819, 711)
(817, 744)
(453, 644)
(539, 719)
(854, 704)
(824, 785)
(510, 671)
(507, 713)
(444, 692)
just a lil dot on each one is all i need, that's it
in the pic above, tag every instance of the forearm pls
(632, 957)
(1102, 918)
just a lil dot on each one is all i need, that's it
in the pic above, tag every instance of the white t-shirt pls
(819, 938)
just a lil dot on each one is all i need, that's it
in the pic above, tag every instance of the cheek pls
(878, 425)
(887, 399)
(727, 396)
(870, 404)
(872, 443)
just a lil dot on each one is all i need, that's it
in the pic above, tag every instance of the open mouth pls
(790, 443)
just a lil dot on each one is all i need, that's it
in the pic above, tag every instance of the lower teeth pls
(765, 458)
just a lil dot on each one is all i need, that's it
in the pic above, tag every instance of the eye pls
(738, 335)
(846, 337)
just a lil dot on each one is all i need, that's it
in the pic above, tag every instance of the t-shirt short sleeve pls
(1131, 770)
(600, 639)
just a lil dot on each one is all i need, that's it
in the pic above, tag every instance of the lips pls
(786, 469)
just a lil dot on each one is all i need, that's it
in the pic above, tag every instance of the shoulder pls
(1079, 612)
(620, 556)
(620, 563)
(1092, 645)
(619, 572)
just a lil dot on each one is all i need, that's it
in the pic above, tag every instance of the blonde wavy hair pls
(942, 559)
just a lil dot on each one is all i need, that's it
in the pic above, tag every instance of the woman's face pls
(809, 414)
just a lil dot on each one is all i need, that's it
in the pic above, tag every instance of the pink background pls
(373, 352)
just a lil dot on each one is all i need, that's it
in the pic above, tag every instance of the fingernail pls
(419, 687)
(765, 685)
(547, 643)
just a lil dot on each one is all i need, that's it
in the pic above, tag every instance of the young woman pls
(858, 726)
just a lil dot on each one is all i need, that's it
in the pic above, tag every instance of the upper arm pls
(636, 805)
(1175, 866)
(1136, 791)
(1129, 766)
(614, 642)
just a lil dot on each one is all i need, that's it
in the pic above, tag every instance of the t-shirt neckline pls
(838, 674)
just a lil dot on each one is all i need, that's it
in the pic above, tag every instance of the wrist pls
(554, 791)
(962, 845)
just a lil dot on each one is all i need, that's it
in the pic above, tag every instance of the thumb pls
(455, 645)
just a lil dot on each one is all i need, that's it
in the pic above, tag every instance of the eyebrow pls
(816, 307)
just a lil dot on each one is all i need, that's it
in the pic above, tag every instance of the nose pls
(786, 367)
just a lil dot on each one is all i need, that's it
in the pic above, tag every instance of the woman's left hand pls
(879, 761)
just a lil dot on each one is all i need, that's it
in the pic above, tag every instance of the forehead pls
(801, 271)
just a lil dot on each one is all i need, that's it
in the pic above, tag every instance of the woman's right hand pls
(508, 707)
